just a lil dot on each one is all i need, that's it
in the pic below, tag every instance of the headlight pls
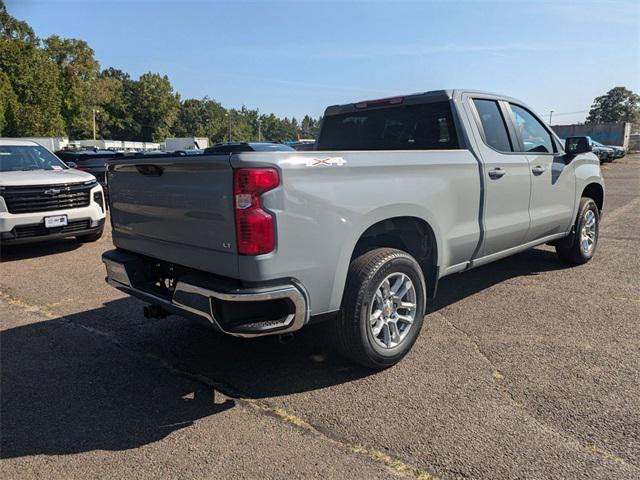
(99, 199)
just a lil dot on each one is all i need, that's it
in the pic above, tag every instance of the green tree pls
(114, 91)
(78, 73)
(277, 129)
(309, 127)
(14, 29)
(201, 118)
(243, 124)
(155, 106)
(34, 80)
(8, 103)
(618, 105)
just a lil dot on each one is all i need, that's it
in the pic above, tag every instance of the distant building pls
(117, 145)
(605, 133)
(52, 143)
(185, 143)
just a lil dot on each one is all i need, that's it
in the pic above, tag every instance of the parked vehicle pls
(618, 152)
(605, 154)
(401, 192)
(41, 198)
(91, 161)
(237, 147)
(303, 145)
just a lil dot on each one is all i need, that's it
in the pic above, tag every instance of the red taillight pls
(254, 227)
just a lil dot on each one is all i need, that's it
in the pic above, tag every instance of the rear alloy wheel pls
(382, 309)
(585, 240)
(392, 311)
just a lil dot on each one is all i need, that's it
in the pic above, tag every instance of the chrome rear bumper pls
(191, 300)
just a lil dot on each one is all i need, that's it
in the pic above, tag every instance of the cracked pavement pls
(525, 368)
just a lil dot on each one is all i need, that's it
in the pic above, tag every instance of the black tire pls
(574, 253)
(353, 334)
(92, 237)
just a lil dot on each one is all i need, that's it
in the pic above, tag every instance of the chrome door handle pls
(538, 170)
(497, 173)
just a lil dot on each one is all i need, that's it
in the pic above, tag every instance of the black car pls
(91, 161)
(604, 153)
(238, 147)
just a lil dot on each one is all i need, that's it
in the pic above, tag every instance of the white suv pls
(41, 198)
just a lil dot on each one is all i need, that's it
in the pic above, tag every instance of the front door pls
(507, 179)
(552, 181)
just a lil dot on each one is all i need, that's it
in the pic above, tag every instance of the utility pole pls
(229, 117)
(259, 130)
(95, 110)
(550, 116)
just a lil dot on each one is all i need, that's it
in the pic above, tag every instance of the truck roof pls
(430, 96)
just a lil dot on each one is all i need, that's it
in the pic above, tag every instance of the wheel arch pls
(410, 233)
(595, 191)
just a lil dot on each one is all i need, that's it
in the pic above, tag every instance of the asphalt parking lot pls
(526, 368)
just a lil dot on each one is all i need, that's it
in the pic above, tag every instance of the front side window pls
(427, 126)
(495, 130)
(15, 158)
(534, 136)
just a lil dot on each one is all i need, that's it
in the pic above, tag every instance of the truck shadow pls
(456, 287)
(12, 253)
(109, 379)
(66, 390)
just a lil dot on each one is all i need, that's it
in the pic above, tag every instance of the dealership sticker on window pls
(326, 162)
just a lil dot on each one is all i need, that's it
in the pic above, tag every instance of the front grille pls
(34, 199)
(40, 230)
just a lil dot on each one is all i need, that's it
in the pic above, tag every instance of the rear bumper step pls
(229, 307)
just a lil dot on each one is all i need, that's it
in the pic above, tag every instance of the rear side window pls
(535, 137)
(426, 126)
(495, 130)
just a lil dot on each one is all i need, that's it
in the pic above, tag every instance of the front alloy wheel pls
(588, 232)
(583, 246)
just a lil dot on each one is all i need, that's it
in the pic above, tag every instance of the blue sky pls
(297, 57)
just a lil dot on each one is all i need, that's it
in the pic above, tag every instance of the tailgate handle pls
(149, 170)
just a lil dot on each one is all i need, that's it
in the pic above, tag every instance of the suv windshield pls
(17, 158)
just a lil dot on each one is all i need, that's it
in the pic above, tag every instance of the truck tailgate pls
(178, 209)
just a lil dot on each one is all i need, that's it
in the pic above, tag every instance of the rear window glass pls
(426, 126)
(495, 130)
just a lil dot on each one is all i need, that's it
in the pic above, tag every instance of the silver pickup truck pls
(398, 193)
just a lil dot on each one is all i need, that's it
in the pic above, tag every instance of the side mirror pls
(576, 145)
(72, 164)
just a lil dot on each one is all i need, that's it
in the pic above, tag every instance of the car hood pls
(43, 177)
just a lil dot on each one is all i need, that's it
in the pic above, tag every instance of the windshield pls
(20, 158)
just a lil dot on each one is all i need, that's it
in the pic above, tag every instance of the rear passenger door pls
(506, 177)
(552, 181)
